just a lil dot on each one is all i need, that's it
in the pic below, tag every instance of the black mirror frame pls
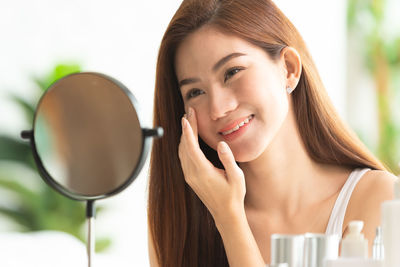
(147, 133)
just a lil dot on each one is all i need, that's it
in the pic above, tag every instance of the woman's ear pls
(292, 64)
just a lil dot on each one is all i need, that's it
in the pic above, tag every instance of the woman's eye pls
(231, 72)
(193, 93)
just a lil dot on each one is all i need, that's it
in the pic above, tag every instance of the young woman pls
(252, 144)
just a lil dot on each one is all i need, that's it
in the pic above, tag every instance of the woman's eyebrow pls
(225, 59)
(217, 65)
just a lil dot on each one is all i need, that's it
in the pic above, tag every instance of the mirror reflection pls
(87, 134)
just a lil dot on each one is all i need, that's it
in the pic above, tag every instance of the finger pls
(228, 160)
(191, 145)
(185, 157)
(191, 117)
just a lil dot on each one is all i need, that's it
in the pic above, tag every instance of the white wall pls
(121, 39)
(323, 27)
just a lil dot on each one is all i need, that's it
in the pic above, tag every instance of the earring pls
(289, 90)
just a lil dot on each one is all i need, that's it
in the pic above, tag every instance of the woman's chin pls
(244, 153)
(244, 157)
(247, 153)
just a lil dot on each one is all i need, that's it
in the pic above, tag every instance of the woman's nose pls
(221, 103)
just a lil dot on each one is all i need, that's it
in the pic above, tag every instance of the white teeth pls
(227, 132)
(238, 126)
(235, 128)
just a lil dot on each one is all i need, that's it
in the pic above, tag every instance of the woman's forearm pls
(240, 245)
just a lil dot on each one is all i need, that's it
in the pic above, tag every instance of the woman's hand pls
(222, 191)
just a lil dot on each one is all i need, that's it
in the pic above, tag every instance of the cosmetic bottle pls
(354, 249)
(391, 229)
(377, 247)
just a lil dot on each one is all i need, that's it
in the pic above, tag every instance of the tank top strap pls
(335, 223)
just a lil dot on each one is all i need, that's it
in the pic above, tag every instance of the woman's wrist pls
(230, 217)
(240, 245)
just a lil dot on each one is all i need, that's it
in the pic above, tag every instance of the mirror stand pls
(90, 215)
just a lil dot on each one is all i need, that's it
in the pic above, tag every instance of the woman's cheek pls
(206, 134)
(247, 84)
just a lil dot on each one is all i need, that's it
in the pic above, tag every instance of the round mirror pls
(87, 136)
(87, 139)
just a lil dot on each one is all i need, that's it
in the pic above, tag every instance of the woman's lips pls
(240, 131)
(238, 122)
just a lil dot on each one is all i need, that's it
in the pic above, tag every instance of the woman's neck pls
(284, 179)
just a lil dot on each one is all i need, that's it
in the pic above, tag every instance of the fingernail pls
(223, 147)
(183, 122)
(190, 112)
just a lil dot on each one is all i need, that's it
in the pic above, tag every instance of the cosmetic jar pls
(318, 248)
(287, 249)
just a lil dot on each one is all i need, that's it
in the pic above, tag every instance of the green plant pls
(36, 206)
(368, 22)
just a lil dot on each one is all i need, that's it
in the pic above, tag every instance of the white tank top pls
(335, 224)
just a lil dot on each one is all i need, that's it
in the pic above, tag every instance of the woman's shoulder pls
(375, 187)
(375, 184)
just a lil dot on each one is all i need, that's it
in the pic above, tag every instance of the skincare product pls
(354, 245)
(391, 229)
(318, 248)
(377, 247)
(287, 249)
(308, 250)
(354, 249)
(353, 262)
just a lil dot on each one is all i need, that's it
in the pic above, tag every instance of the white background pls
(121, 38)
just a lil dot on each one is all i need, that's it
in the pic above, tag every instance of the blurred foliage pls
(38, 207)
(369, 22)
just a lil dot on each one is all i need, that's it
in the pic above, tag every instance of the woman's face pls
(230, 82)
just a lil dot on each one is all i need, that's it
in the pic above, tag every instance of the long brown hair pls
(183, 231)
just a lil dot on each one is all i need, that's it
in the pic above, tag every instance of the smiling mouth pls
(237, 127)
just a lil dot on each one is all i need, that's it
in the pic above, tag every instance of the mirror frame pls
(146, 138)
